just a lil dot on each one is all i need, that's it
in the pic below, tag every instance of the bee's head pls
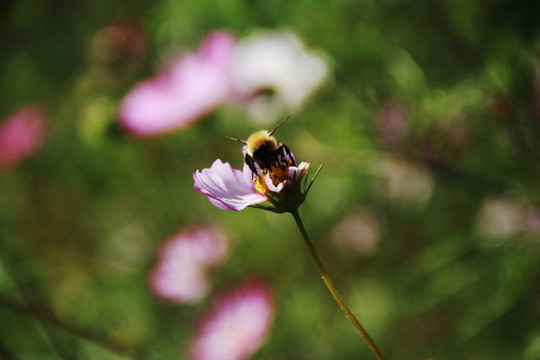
(261, 143)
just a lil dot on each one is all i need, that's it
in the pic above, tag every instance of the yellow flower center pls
(260, 185)
(277, 175)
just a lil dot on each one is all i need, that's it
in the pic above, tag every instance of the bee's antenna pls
(235, 139)
(281, 123)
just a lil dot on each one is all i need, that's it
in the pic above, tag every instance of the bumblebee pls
(264, 155)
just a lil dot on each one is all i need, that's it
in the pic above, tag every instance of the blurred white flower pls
(403, 180)
(21, 135)
(274, 73)
(183, 261)
(236, 326)
(502, 217)
(358, 233)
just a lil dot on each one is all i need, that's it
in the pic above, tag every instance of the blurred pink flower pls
(21, 135)
(358, 233)
(122, 39)
(183, 262)
(392, 125)
(236, 326)
(184, 92)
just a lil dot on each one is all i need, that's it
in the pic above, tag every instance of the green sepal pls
(312, 180)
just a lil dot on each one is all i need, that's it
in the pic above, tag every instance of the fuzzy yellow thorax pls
(258, 139)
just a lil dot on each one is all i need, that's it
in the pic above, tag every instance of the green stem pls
(334, 291)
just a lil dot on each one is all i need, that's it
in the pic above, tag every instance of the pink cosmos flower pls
(21, 135)
(183, 262)
(182, 93)
(237, 325)
(232, 189)
(227, 188)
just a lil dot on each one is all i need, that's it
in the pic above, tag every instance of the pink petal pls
(21, 135)
(227, 188)
(300, 171)
(237, 325)
(189, 89)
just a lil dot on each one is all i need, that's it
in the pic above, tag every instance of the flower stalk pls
(330, 285)
(271, 180)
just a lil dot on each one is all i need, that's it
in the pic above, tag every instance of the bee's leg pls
(251, 163)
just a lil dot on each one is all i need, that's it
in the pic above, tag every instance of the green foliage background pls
(80, 221)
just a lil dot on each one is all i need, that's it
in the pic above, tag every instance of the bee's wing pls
(284, 155)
